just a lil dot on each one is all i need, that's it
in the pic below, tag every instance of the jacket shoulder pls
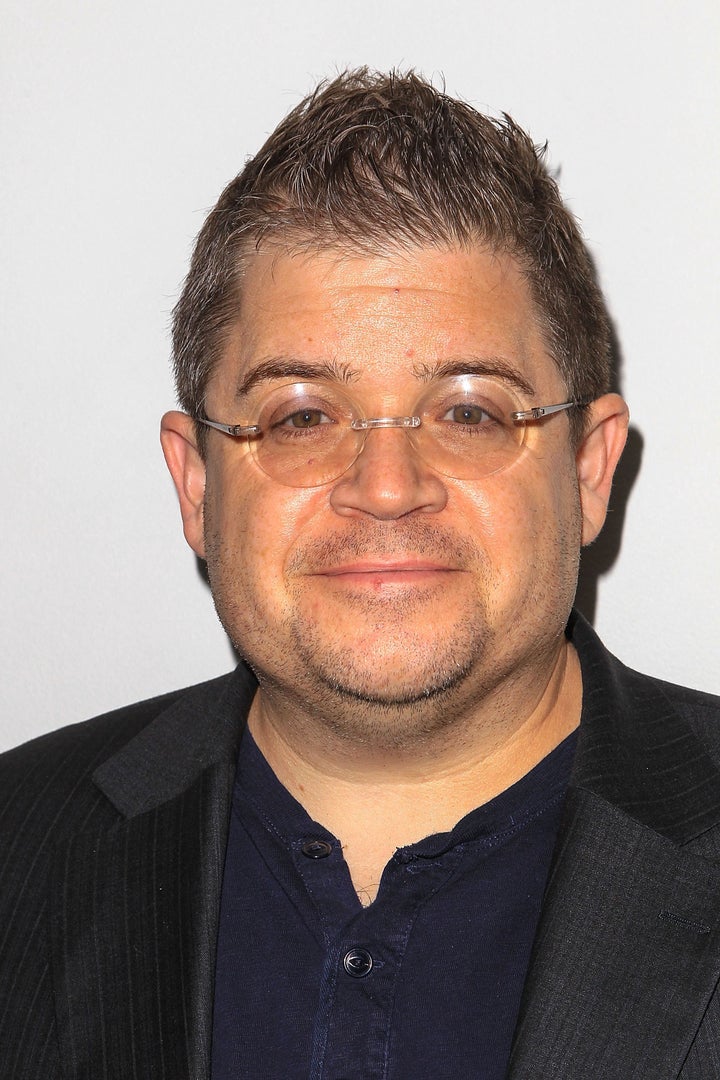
(615, 688)
(49, 779)
(701, 710)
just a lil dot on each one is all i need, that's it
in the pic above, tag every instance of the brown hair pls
(370, 162)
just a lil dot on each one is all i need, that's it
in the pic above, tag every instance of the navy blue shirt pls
(424, 982)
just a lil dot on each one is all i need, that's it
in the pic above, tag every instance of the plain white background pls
(120, 125)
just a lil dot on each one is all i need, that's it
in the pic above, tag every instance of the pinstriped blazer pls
(112, 837)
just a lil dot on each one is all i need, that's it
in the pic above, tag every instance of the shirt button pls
(316, 849)
(358, 963)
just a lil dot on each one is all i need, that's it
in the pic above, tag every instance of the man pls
(430, 827)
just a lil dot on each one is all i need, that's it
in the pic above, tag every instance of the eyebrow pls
(275, 368)
(493, 367)
(288, 367)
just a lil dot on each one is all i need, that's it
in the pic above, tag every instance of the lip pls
(378, 574)
(379, 566)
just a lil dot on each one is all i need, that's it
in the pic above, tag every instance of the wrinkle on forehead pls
(393, 273)
(418, 314)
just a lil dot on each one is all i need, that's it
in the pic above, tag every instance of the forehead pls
(389, 317)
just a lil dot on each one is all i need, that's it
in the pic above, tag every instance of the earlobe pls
(187, 468)
(597, 458)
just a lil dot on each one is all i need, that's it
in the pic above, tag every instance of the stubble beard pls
(359, 707)
(397, 696)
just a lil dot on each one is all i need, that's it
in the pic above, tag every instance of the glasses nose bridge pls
(364, 425)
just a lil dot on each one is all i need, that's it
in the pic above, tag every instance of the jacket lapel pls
(627, 952)
(626, 956)
(134, 908)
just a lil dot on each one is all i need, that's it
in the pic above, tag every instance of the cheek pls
(528, 523)
(251, 528)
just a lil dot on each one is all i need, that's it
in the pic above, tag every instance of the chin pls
(407, 675)
(395, 694)
(385, 718)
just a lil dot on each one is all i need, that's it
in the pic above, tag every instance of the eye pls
(314, 420)
(305, 418)
(302, 411)
(467, 413)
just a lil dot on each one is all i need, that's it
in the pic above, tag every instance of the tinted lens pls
(467, 431)
(306, 436)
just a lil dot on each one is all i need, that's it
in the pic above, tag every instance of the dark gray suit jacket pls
(112, 836)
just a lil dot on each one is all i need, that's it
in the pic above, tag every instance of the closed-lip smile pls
(378, 572)
(385, 566)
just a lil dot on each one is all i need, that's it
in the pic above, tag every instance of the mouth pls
(378, 572)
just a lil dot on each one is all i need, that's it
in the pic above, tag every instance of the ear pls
(596, 458)
(187, 468)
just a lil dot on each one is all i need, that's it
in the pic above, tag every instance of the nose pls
(388, 480)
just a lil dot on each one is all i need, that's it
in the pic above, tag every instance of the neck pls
(376, 799)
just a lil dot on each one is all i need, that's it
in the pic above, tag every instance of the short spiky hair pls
(373, 162)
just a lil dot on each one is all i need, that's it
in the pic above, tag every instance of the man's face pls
(393, 584)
